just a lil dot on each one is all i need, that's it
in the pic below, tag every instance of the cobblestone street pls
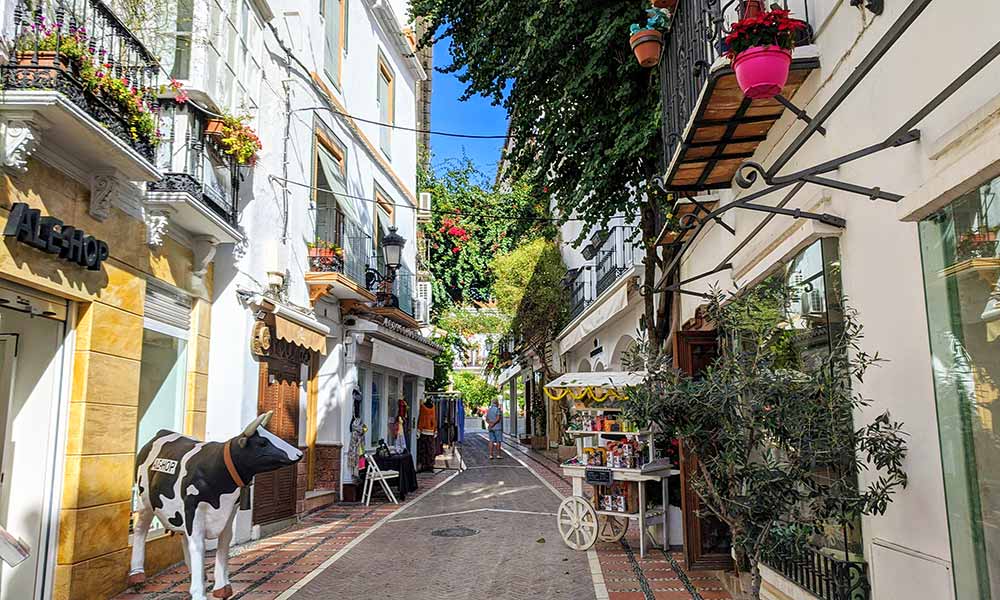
(488, 531)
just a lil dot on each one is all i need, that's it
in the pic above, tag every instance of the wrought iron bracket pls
(701, 208)
(799, 113)
(876, 7)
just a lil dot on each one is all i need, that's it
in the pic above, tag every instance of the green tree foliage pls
(584, 116)
(471, 321)
(772, 426)
(473, 222)
(529, 289)
(452, 346)
(476, 392)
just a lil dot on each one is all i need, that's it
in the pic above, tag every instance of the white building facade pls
(913, 250)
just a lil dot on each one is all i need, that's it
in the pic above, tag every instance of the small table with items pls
(402, 464)
(621, 474)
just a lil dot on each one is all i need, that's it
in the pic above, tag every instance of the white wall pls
(286, 126)
(880, 254)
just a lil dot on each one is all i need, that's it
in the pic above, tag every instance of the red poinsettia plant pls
(771, 28)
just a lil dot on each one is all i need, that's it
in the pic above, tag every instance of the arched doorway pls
(624, 343)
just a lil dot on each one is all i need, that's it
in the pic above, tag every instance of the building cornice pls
(387, 20)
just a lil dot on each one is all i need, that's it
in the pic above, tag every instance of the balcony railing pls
(353, 258)
(403, 289)
(66, 46)
(694, 44)
(825, 576)
(207, 173)
(581, 290)
(615, 256)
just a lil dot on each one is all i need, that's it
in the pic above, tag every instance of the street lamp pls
(392, 246)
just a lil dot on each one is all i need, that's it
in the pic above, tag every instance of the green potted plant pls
(238, 139)
(647, 40)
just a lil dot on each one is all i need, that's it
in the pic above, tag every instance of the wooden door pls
(707, 541)
(274, 493)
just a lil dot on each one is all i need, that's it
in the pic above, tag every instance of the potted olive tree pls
(773, 433)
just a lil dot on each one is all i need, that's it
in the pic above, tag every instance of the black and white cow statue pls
(193, 488)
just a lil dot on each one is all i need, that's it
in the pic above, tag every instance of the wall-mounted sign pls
(51, 235)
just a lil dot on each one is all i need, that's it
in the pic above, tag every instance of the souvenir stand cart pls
(614, 456)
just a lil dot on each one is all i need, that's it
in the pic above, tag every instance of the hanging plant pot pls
(647, 45)
(670, 5)
(213, 127)
(762, 71)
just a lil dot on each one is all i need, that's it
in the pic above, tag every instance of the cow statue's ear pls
(242, 441)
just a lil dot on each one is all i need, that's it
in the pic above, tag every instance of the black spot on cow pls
(161, 485)
(176, 520)
(207, 472)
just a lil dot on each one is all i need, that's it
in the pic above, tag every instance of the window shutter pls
(167, 307)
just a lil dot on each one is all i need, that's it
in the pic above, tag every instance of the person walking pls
(494, 424)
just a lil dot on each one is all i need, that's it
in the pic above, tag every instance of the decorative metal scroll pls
(750, 172)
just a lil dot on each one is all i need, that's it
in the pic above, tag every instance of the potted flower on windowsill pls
(325, 256)
(670, 5)
(647, 40)
(760, 47)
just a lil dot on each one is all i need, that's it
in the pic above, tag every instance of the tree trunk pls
(651, 312)
(755, 580)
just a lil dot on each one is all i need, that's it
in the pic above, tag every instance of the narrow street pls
(489, 532)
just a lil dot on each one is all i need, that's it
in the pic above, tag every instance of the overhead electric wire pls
(467, 136)
(438, 211)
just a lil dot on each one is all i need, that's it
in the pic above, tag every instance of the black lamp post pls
(392, 248)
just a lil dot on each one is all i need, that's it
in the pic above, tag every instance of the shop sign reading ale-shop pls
(49, 234)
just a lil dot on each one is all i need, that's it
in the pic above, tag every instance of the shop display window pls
(961, 269)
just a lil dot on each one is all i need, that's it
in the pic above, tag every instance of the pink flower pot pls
(762, 71)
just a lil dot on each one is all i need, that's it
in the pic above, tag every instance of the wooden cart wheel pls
(577, 523)
(611, 529)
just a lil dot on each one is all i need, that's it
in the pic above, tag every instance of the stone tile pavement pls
(508, 507)
(626, 576)
(264, 569)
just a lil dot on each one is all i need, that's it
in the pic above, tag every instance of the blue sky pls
(475, 116)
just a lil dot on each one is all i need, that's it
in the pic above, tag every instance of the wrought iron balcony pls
(348, 256)
(194, 164)
(581, 289)
(825, 576)
(615, 256)
(709, 127)
(75, 47)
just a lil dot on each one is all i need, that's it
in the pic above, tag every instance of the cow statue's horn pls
(260, 421)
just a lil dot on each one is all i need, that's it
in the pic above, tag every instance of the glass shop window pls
(961, 269)
(375, 427)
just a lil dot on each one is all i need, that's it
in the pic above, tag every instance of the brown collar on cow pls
(227, 456)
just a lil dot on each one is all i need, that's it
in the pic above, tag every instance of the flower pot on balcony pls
(46, 58)
(647, 45)
(213, 127)
(321, 252)
(670, 5)
(762, 71)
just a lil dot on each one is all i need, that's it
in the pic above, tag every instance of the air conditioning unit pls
(423, 311)
(424, 207)
(424, 302)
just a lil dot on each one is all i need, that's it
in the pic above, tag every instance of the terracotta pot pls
(752, 8)
(321, 252)
(213, 127)
(46, 58)
(670, 5)
(762, 71)
(647, 45)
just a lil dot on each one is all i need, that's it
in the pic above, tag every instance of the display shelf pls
(615, 513)
(586, 433)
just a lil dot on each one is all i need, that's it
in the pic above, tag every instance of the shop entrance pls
(707, 542)
(274, 493)
(31, 382)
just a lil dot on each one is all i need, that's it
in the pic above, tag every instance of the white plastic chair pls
(377, 474)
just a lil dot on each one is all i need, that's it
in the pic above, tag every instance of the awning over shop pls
(387, 355)
(595, 387)
(607, 310)
(297, 328)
